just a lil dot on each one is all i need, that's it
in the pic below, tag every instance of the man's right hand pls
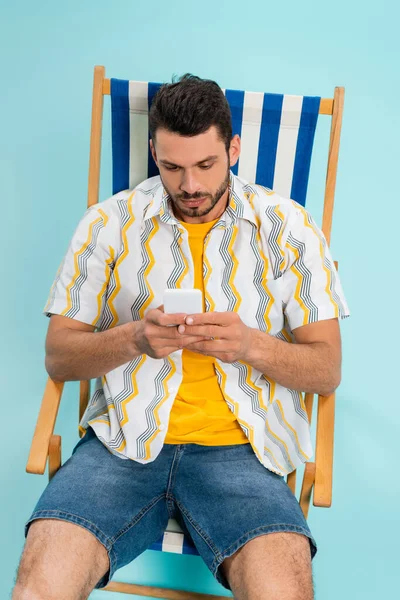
(157, 333)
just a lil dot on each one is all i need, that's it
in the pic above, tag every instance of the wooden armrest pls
(44, 427)
(324, 451)
(324, 448)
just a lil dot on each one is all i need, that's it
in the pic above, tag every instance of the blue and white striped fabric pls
(174, 540)
(277, 133)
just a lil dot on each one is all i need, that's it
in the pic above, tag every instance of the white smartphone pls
(183, 301)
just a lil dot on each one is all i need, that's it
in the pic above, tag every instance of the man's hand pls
(219, 334)
(157, 335)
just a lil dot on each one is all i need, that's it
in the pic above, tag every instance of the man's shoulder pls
(132, 201)
(265, 201)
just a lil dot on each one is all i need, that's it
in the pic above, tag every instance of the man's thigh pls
(276, 565)
(226, 498)
(60, 560)
(120, 502)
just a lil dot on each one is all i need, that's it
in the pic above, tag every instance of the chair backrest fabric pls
(277, 134)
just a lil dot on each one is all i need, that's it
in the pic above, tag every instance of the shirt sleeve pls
(79, 289)
(311, 288)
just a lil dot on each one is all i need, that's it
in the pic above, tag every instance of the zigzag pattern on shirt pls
(180, 265)
(271, 386)
(151, 413)
(98, 395)
(231, 265)
(81, 258)
(275, 239)
(284, 334)
(109, 268)
(121, 407)
(298, 404)
(329, 268)
(303, 287)
(247, 429)
(255, 393)
(260, 283)
(128, 389)
(255, 189)
(277, 441)
(207, 270)
(117, 444)
(128, 392)
(145, 292)
(280, 416)
(272, 459)
(250, 390)
(150, 192)
(110, 316)
(235, 208)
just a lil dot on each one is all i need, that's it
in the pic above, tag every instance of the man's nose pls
(189, 183)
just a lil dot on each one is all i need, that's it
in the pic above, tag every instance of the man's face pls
(195, 172)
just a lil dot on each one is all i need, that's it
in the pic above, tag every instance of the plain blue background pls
(48, 51)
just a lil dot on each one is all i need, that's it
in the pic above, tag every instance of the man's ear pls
(234, 150)
(153, 152)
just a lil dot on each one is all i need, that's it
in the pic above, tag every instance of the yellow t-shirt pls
(200, 414)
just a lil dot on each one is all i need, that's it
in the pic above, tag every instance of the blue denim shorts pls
(221, 496)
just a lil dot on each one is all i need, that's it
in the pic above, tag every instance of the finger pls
(212, 318)
(165, 338)
(214, 331)
(169, 349)
(162, 319)
(209, 346)
(168, 334)
(198, 348)
(186, 341)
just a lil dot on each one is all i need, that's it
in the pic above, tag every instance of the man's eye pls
(205, 167)
(171, 168)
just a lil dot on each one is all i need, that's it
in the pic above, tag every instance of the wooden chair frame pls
(317, 479)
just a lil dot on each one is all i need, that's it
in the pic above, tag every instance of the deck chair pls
(277, 133)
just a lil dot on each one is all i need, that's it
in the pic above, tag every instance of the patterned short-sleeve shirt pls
(265, 259)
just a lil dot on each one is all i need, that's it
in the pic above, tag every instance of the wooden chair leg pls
(324, 451)
(54, 455)
(157, 592)
(307, 487)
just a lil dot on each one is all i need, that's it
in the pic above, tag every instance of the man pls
(196, 417)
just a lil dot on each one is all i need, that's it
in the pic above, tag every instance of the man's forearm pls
(302, 367)
(79, 355)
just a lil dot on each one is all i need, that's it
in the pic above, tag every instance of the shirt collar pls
(238, 206)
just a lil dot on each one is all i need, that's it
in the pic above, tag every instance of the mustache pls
(195, 196)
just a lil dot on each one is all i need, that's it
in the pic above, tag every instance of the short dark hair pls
(190, 106)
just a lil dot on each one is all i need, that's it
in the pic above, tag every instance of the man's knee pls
(24, 592)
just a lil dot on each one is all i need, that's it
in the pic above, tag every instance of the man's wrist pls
(131, 338)
(256, 348)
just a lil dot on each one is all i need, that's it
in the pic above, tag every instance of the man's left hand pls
(230, 338)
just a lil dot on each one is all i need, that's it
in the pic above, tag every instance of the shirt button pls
(161, 427)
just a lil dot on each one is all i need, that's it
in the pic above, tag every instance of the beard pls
(177, 199)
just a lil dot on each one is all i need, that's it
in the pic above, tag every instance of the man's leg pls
(60, 561)
(276, 566)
